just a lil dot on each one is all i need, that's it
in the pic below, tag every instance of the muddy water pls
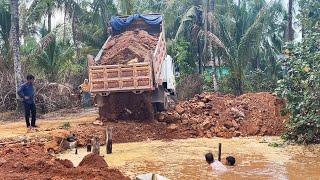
(184, 159)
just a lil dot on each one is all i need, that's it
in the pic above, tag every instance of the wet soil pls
(30, 161)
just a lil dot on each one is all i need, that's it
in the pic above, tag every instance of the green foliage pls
(189, 85)
(181, 53)
(246, 37)
(259, 80)
(301, 83)
(5, 25)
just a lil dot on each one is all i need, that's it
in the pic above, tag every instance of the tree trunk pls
(290, 28)
(213, 57)
(49, 19)
(75, 34)
(64, 24)
(15, 46)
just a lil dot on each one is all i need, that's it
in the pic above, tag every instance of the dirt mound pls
(130, 46)
(93, 160)
(211, 114)
(32, 162)
(65, 162)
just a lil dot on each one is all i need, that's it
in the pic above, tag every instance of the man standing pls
(85, 93)
(26, 92)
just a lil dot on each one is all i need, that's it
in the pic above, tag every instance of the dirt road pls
(13, 130)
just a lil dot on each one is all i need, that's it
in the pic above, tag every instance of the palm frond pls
(252, 37)
(189, 16)
(43, 44)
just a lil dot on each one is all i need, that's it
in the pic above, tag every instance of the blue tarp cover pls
(118, 23)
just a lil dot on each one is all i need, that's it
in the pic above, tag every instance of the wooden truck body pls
(139, 77)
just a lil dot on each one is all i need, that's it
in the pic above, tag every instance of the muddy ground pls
(25, 153)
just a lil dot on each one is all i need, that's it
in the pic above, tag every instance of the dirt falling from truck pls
(126, 106)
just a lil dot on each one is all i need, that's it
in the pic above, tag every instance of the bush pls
(301, 84)
(189, 86)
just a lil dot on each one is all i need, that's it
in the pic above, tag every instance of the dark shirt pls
(27, 90)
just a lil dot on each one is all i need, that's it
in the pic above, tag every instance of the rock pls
(205, 99)
(2, 161)
(253, 130)
(176, 116)
(232, 129)
(201, 104)
(209, 134)
(235, 124)
(208, 106)
(206, 124)
(184, 116)
(97, 122)
(200, 133)
(228, 124)
(237, 112)
(179, 109)
(237, 133)
(185, 122)
(161, 117)
(173, 127)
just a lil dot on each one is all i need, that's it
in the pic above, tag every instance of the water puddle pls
(184, 159)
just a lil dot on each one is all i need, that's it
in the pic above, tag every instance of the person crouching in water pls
(215, 166)
(230, 161)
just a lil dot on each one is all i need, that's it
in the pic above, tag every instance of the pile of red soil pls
(211, 114)
(129, 46)
(93, 160)
(32, 162)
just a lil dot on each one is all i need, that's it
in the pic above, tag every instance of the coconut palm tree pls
(14, 4)
(290, 27)
(240, 30)
(125, 6)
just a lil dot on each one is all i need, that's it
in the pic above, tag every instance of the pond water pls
(256, 158)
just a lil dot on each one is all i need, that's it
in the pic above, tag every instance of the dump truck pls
(126, 84)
